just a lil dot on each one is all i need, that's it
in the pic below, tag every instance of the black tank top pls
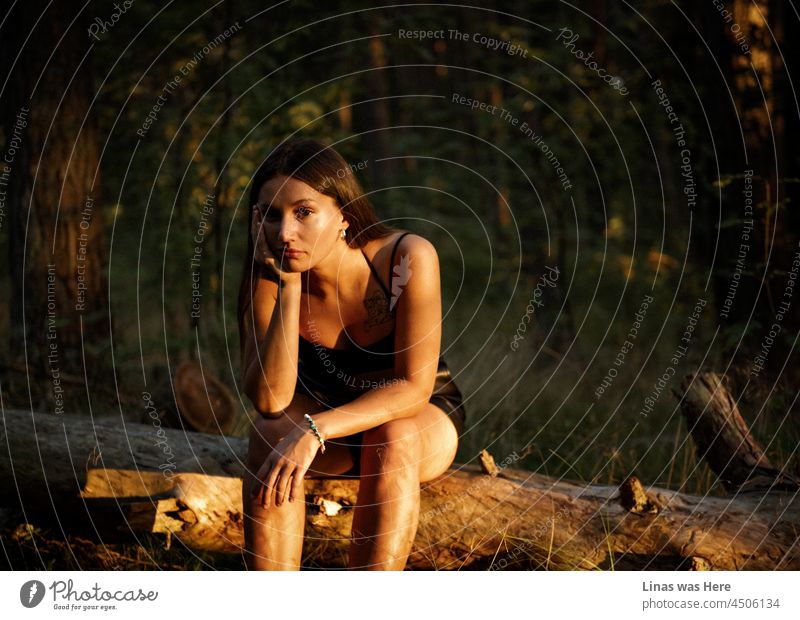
(337, 376)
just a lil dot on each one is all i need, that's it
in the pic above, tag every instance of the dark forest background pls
(643, 215)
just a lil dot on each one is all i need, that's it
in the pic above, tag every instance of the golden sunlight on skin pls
(299, 217)
(399, 451)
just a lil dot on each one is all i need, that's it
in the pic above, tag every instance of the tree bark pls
(378, 119)
(723, 439)
(57, 253)
(142, 478)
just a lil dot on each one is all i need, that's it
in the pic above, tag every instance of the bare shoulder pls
(412, 245)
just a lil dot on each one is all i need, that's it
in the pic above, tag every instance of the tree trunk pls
(724, 441)
(188, 485)
(378, 113)
(221, 159)
(757, 245)
(57, 253)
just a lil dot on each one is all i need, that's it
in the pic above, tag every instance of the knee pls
(265, 430)
(394, 446)
(264, 436)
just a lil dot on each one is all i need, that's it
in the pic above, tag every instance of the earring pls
(342, 233)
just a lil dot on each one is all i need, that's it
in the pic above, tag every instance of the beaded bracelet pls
(316, 432)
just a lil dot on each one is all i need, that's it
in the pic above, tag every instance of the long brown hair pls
(323, 168)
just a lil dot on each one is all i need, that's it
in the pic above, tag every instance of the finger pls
(281, 486)
(261, 474)
(298, 488)
(262, 247)
(258, 484)
(264, 496)
(260, 251)
(272, 479)
(256, 490)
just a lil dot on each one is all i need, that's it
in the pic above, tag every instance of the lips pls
(291, 253)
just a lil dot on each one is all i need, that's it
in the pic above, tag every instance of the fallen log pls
(132, 478)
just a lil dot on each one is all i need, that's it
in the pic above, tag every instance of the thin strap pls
(375, 273)
(391, 265)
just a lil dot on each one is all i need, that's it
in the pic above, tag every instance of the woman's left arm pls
(416, 293)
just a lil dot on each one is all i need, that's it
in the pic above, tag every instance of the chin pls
(294, 267)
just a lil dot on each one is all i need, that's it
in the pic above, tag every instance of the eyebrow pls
(296, 202)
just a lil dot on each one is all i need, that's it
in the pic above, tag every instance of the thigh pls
(439, 441)
(265, 433)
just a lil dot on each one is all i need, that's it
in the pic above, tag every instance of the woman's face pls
(297, 217)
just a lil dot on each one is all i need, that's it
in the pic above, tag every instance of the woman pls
(341, 360)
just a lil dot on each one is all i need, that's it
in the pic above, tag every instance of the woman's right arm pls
(269, 357)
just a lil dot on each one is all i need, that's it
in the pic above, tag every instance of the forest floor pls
(29, 546)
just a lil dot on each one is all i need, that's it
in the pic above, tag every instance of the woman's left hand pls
(289, 460)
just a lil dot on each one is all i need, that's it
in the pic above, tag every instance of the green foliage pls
(176, 163)
(473, 182)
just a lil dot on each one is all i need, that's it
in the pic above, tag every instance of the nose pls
(287, 231)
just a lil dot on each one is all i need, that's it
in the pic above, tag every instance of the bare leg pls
(405, 452)
(385, 517)
(274, 534)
